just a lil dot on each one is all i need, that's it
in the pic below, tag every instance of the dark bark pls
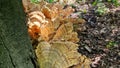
(15, 46)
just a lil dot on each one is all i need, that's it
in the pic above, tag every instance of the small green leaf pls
(50, 1)
(111, 44)
(95, 3)
(35, 1)
(109, 0)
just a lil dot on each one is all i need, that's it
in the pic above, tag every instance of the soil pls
(100, 38)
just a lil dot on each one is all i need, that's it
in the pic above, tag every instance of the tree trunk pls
(15, 46)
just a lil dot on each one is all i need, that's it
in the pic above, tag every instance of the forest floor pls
(100, 37)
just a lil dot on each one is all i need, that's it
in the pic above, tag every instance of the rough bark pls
(15, 46)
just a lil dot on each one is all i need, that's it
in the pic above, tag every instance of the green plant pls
(111, 44)
(114, 2)
(102, 9)
(50, 1)
(96, 2)
(35, 1)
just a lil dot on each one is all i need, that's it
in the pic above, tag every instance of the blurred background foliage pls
(100, 4)
(94, 2)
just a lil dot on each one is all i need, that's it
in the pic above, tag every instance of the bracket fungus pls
(55, 34)
(60, 55)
